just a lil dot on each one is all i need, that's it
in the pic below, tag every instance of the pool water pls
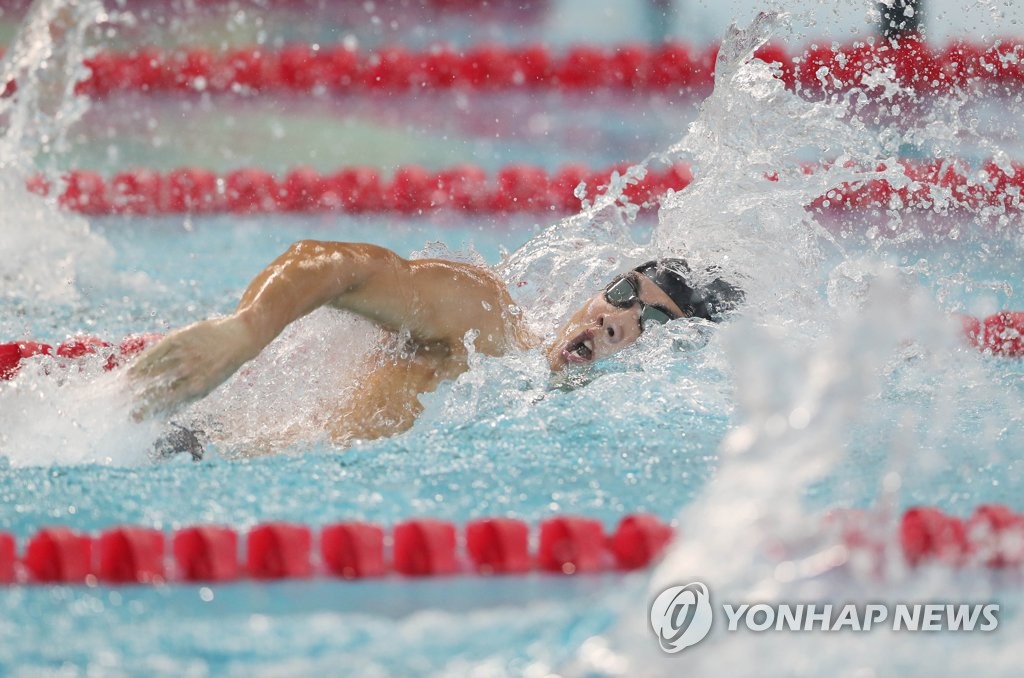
(843, 384)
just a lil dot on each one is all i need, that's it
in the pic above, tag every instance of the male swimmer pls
(435, 302)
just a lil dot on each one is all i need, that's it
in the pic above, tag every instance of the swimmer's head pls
(652, 293)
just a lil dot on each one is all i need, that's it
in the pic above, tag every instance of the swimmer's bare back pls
(435, 301)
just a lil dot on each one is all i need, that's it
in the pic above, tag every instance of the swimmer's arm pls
(436, 301)
(310, 274)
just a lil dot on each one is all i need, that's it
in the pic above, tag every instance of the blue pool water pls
(841, 385)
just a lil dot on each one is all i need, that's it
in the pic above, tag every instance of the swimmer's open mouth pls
(580, 349)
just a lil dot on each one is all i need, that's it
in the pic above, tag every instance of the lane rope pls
(991, 537)
(421, 547)
(672, 67)
(946, 186)
(410, 190)
(71, 352)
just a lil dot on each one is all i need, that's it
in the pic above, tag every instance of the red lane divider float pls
(669, 67)
(311, 68)
(1000, 334)
(12, 354)
(411, 190)
(935, 185)
(417, 548)
(941, 185)
(992, 537)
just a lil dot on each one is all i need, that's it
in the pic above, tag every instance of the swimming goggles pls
(624, 292)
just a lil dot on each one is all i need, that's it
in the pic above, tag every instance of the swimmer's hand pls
(189, 363)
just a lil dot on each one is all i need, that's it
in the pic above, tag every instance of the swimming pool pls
(844, 385)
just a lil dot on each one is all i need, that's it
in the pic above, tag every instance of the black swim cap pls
(709, 301)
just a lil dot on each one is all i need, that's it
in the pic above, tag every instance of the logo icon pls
(681, 616)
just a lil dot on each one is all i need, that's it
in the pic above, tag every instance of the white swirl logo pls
(681, 616)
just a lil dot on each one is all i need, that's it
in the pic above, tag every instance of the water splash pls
(46, 60)
(284, 398)
(50, 258)
(565, 263)
(47, 256)
(52, 414)
(840, 349)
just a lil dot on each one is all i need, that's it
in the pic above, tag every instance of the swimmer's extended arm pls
(436, 301)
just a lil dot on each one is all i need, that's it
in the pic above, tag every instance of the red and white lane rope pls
(992, 537)
(940, 185)
(670, 67)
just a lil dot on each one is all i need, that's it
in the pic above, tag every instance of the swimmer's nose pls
(612, 326)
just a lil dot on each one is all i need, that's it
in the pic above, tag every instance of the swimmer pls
(434, 302)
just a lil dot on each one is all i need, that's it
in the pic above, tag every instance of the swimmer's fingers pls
(156, 391)
(169, 390)
(167, 393)
(164, 357)
(160, 377)
(188, 364)
(149, 403)
(152, 368)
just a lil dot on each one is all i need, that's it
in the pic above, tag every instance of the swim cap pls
(709, 301)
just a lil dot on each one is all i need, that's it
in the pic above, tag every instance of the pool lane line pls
(906, 186)
(991, 538)
(420, 547)
(816, 71)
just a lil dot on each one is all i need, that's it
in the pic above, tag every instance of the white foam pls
(813, 372)
(51, 414)
(48, 255)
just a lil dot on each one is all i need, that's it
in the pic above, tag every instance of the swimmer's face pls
(600, 328)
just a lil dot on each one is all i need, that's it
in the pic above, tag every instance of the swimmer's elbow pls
(310, 274)
(317, 253)
(349, 266)
(367, 279)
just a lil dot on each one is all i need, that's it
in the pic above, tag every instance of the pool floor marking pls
(946, 185)
(671, 67)
(421, 547)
